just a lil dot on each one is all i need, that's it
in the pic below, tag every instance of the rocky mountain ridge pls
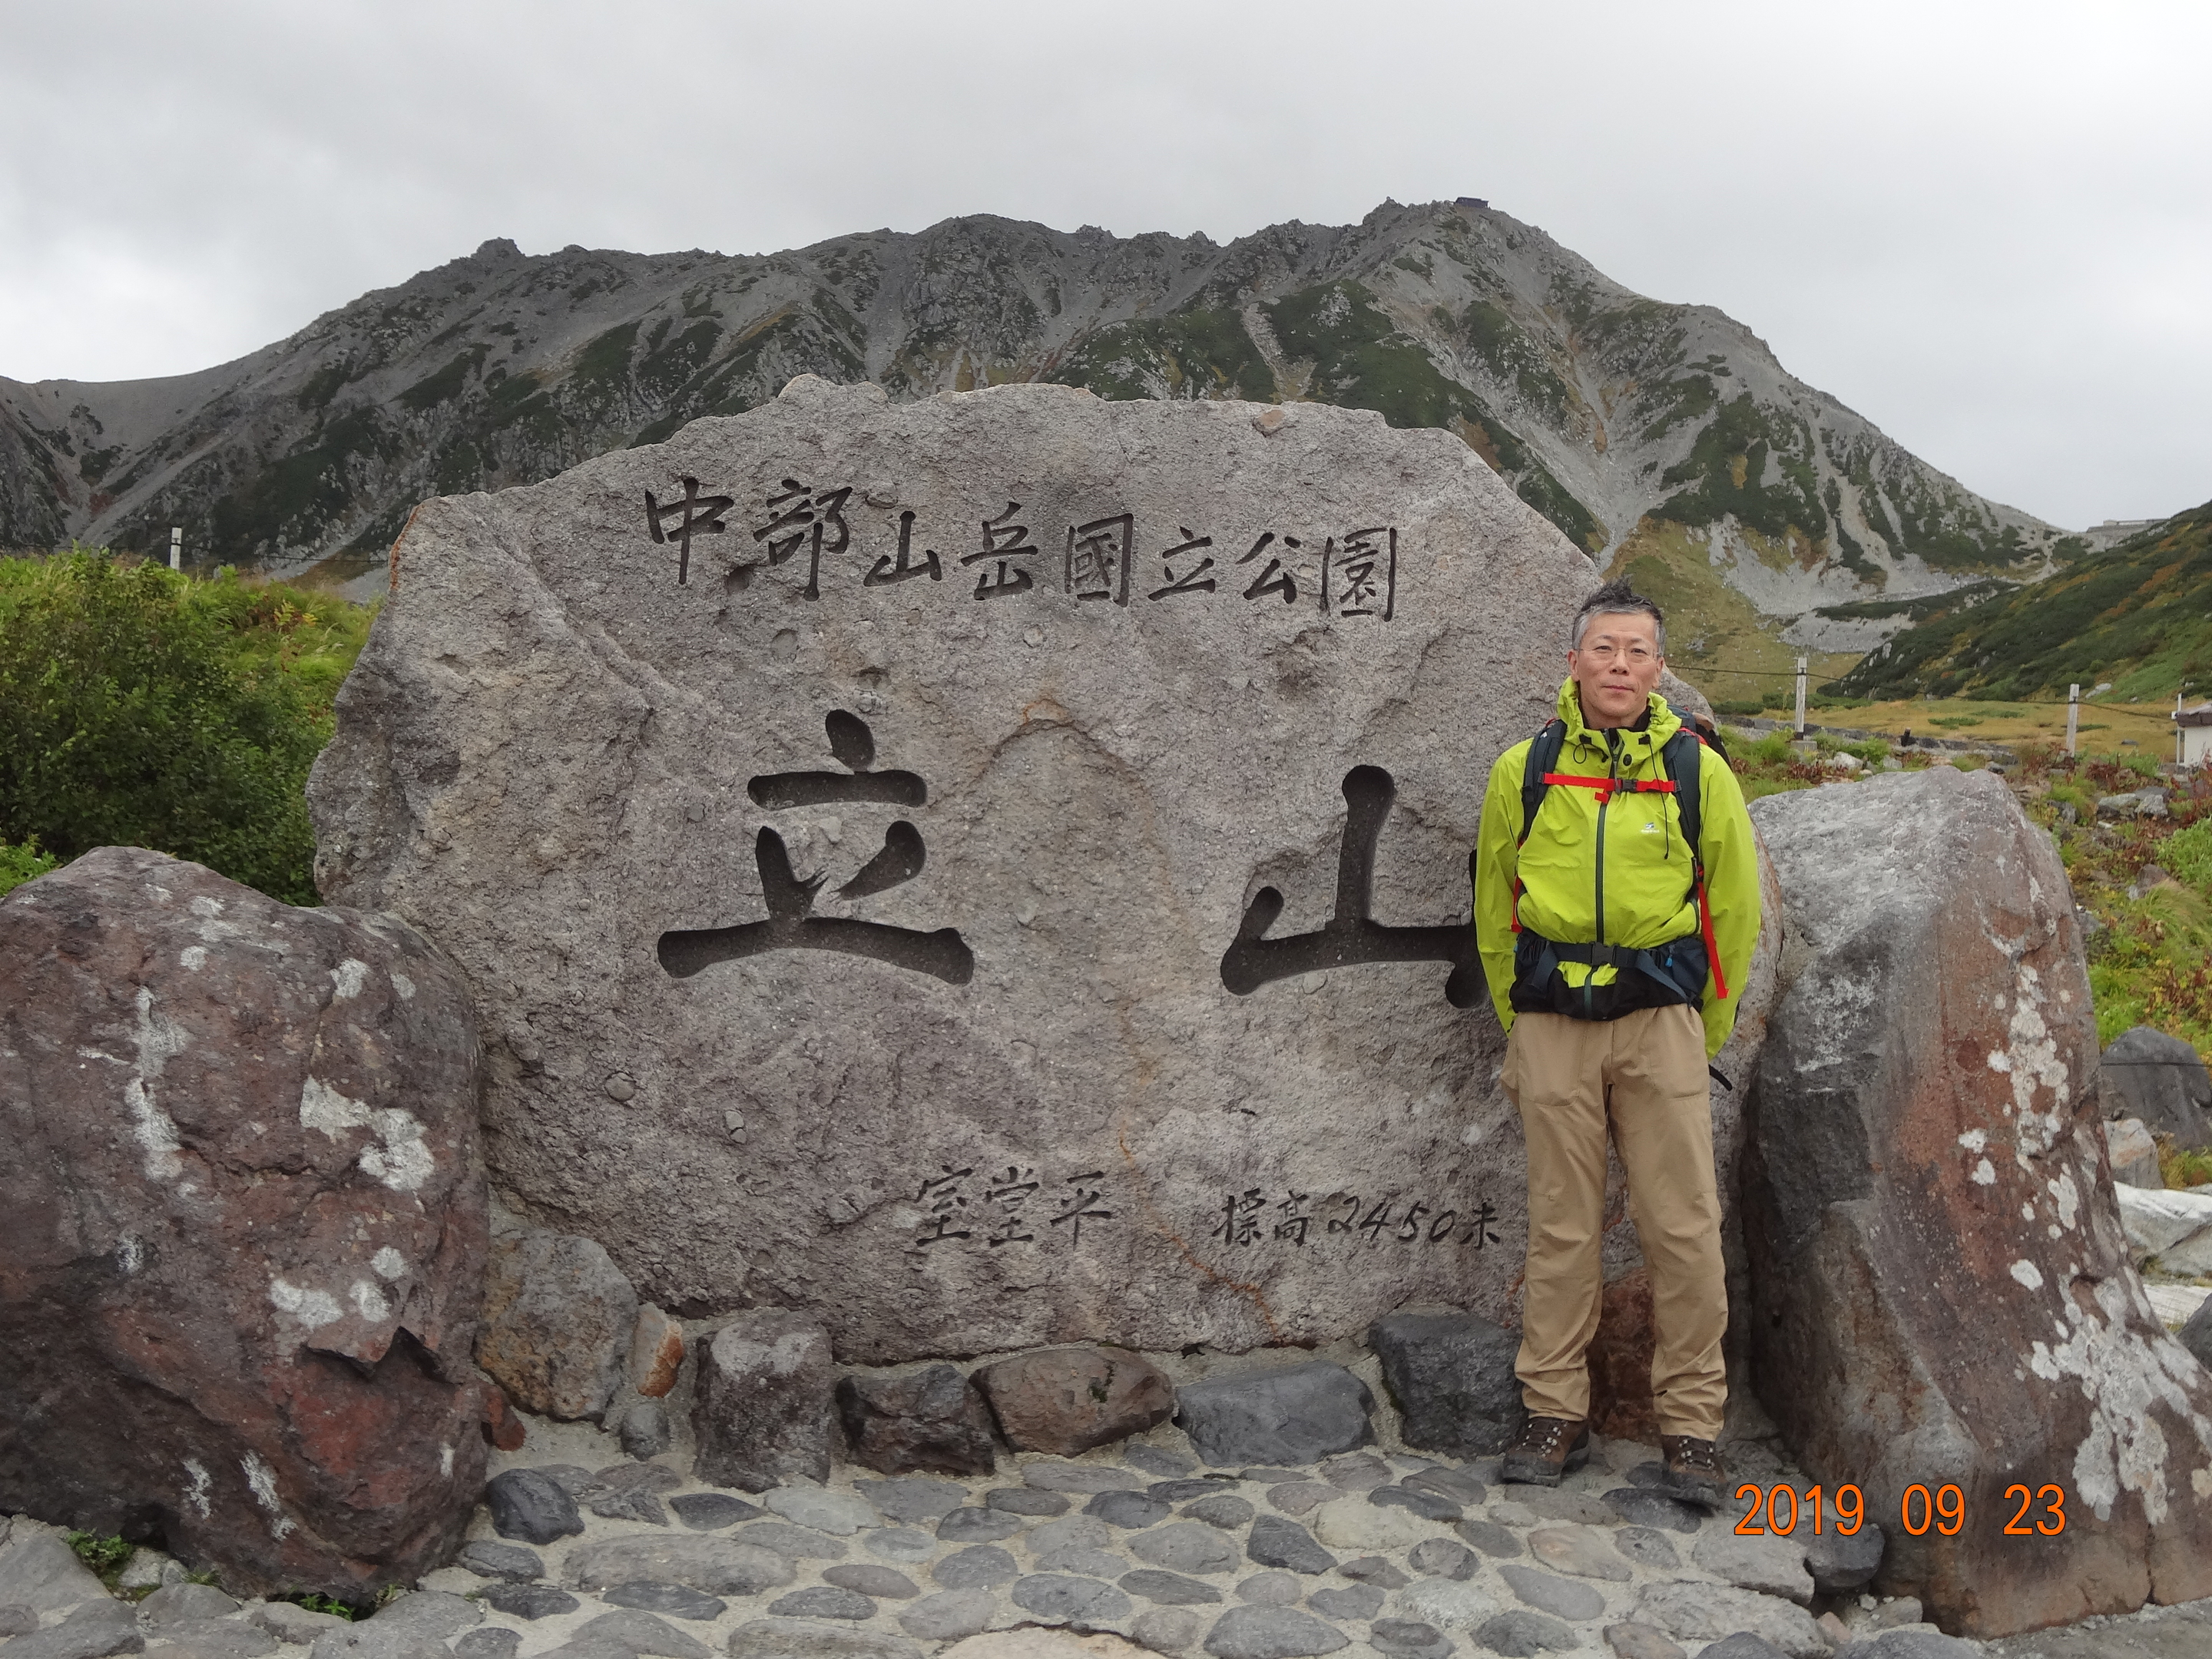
(1665, 439)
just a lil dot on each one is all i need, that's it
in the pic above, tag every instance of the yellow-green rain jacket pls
(1642, 867)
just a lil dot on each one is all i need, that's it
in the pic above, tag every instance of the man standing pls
(1616, 902)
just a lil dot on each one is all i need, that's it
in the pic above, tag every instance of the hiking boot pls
(1546, 1449)
(1694, 1472)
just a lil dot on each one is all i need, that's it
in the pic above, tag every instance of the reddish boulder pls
(1068, 1400)
(1940, 1288)
(242, 1227)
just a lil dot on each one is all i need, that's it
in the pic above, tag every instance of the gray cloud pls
(1984, 227)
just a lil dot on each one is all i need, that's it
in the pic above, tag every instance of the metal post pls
(1801, 699)
(176, 547)
(2073, 716)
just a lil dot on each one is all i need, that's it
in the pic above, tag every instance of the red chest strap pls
(1609, 787)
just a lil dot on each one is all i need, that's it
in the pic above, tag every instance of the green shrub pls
(21, 864)
(313, 1602)
(141, 707)
(104, 1556)
(1741, 707)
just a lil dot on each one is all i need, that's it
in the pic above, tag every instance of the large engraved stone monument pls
(988, 872)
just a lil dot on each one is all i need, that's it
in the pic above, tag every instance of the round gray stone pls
(710, 1511)
(800, 1543)
(1130, 1509)
(1653, 1509)
(1429, 1505)
(1166, 1630)
(1186, 1546)
(1439, 1558)
(1260, 1632)
(1375, 1570)
(1550, 1594)
(1357, 1472)
(1276, 1542)
(1490, 1538)
(1462, 1487)
(1154, 1460)
(531, 1505)
(1224, 1509)
(1633, 1639)
(678, 1601)
(948, 1615)
(978, 1526)
(1172, 1587)
(488, 1559)
(1841, 1563)
(805, 1638)
(886, 1583)
(1069, 1532)
(1181, 1491)
(977, 1567)
(646, 1432)
(1520, 1634)
(1408, 1638)
(1272, 1590)
(838, 1512)
(1302, 1496)
(1090, 1564)
(636, 1632)
(490, 1641)
(900, 1544)
(1027, 1500)
(1064, 1597)
(915, 1497)
(1354, 1602)
(1297, 1414)
(1749, 1644)
(1648, 1547)
(822, 1602)
(1080, 1477)
(529, 1601)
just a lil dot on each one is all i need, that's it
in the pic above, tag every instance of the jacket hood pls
(1660, 720)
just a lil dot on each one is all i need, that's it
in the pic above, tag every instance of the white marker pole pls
(176, 547)
(2073, 716)
(1801, 699)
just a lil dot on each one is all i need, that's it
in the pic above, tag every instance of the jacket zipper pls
(1605, 801)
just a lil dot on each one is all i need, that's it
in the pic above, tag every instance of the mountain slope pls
(2135, 615)
(1665, 439)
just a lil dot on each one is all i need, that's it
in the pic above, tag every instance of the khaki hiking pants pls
(1645, 1076)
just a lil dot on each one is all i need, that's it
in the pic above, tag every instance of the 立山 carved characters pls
(1350, 936)
(791, 924)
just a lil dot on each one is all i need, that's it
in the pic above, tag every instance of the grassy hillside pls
(2138, 616)
(141, 707)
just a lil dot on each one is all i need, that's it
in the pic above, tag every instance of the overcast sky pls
(1987, 227)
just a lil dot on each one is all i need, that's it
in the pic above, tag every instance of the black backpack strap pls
(1543, 757)
(1684, 765)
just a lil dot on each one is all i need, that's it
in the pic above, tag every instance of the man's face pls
(1616, 668)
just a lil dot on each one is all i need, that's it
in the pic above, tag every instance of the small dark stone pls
(1132, 1510)
(1353, 1601)
(529, 1505)
(1407, 1638)
(516, 1565)
(1462, 1487)
(977, 1567)
(635, 1503)
(1653, 1509)
(645, 1429)
(1027, 1500)
(886, 1583)
(1452, 1377)
(1840, 1562)
(1224, 1509)
(977, 1526)
(1521, 1634)
(1262, 1633)
(1171, 1589)
(913, 1499)
(1181, 1491)
(1490, 1538)
(1648, 1546)
(1439, 1558)
(708, 1512)
(1749, 1644)
(1564, 1598)
(1152, 1460)
(678, 1601)
(1299, 1414)
(1374, 1569)
(1278, 1542)
(822, 1602)
(1078, 1600)
(491, 1642)
(1430, 1506)
(529, 1601)
(931, 1420)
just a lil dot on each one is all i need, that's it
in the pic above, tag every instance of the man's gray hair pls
(1618, 598)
